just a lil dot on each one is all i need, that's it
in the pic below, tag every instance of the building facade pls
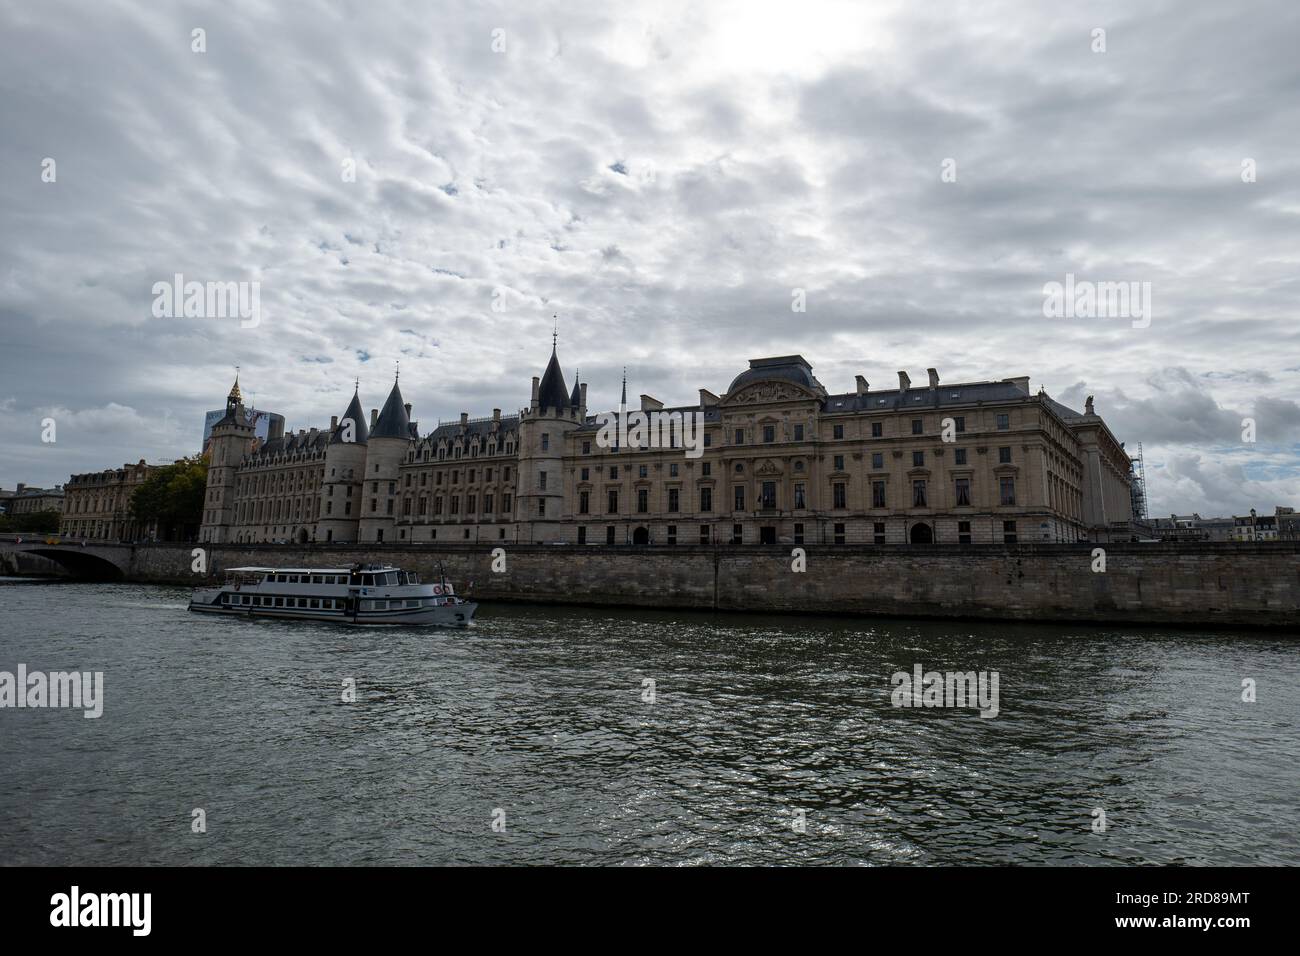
(97, 504)
(782, 461)
(28, 500)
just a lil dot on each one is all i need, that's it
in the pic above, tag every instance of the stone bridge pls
(88, 560)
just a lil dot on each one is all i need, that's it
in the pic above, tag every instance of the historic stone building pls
(783, 460)
(97, 504)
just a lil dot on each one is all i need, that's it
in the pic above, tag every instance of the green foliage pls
(173, 497)
(38, 522)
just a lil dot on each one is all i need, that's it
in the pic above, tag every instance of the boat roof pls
(378, 569)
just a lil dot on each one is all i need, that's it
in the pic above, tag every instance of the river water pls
(532, 738)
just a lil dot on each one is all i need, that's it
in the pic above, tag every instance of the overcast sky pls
(662, 176)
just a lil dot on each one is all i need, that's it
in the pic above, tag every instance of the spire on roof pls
(235, 395)
(393, 421)
(552, 393)
(355, 414)
(575, 399)
(622, 402)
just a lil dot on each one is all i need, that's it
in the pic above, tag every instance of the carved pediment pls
(762, 392)
(768, 467)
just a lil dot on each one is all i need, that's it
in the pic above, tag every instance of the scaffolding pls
(1138, 485)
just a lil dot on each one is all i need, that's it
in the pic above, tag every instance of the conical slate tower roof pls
(360, 432)
(552, 393)
(393, 421)
(575, 400)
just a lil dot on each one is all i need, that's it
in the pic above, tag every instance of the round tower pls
(345, 465)
(386, 448)
(543, 427)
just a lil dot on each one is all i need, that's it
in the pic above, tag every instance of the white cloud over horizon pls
(661, 178)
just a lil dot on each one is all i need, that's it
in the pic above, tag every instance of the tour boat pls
(360, 594)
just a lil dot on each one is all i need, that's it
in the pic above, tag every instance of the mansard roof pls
(784, 368)
(292, 443)
(393, 421)
(360, 431)
(552, 393)
(923, 396)
(479, 427)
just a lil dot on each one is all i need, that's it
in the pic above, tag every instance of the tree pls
(37, 522)
(173, 497)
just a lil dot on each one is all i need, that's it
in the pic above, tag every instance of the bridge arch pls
(80, 563)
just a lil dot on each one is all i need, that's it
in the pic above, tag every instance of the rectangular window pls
(767, 495)
(672, 499)
(1007, 491)
(582, 535)
(584, 502)
(839, 533)
(798, 534)
(586, 474)
(960, 422)
(838, 431)
(706, 469)
(642, 471)
(962, 487)
(769, 434)
(798, 432)
(706, 499)
(740, 436)
(672, 534)
(740, 498)
(918, 459)
(1004, 422)
(837, 495)
(609, 534)
(505, 504)
(642, 500)
(1009, 532)
(916, 426)
(586, 448)
(469, 504)
(877, 429)
(612, 502)
(613, 472)
(737, 534)
(918, 493)
(672, 470)
(878, 494)
(541, 507)
(959, 456)
(963, 532)
(877, 460)
(704, 534)
(1004, 455)
(800, 500)
(839, 462)
(546, 441)
(879, 532)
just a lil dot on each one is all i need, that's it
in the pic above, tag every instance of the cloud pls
(662, 178)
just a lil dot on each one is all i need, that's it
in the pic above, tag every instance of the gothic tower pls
(386, 449)
(550, 416)
(345, 465)
(231, 439)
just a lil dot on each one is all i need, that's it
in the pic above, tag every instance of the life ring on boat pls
(437, 589)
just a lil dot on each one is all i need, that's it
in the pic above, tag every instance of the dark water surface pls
(538, 712)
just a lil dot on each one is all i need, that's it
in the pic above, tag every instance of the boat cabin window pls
(367, 580)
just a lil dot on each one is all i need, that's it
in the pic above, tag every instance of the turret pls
(386, 448)
(231, 439)
(345, 465)
(539, 491)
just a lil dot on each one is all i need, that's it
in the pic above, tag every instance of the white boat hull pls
(450, 615)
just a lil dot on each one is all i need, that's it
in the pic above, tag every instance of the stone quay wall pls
(1207, 584)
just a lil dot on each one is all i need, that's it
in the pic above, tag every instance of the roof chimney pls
(649, 403)
(334, 422)
(496, 414)
(407, 406)
(707, 398)
(374, 417)
(464, 419)
(904, 383)
(863, 384)
(934, 377)
(582, 392)
(1021, 382)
